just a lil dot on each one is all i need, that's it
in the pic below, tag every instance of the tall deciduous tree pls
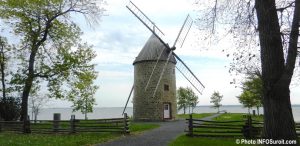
(276, 71)
(247, 99)
(3, 62)
(186, 99)
(216, 99)
(9, 104)
(273, 26)
(37, 100)
(83, 93)
(254, 86)
(51, 43)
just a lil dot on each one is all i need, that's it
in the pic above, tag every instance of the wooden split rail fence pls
(248, 128)
(120, 125)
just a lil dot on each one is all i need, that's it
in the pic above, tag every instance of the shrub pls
(10, 108)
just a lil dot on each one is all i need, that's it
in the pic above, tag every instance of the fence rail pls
(120, 125)
(243, 128)
(240, 128)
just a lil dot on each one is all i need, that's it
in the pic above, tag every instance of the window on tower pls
(166, 87)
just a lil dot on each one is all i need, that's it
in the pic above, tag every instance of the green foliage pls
(252, 92)
(186, 98)
(83, 92)
(216, 99)
(51, 50)
(10, 108)
(6, 57)
(247, 99)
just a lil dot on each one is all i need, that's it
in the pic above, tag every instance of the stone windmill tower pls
(154, 88)
(146, 106)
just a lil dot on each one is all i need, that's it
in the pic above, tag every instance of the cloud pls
(120, 37)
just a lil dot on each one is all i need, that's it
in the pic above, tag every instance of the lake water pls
(116, 112)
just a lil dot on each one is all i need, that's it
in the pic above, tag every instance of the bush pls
(10, 109)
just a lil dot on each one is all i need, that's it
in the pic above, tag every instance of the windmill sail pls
(128, 99)
(184, 30)
(188, 22)
(146, 21)
(162, 73)
(188, 74)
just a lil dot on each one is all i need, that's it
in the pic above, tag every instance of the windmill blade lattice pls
(188, 74)
(183, 32)
(188, 22)
(146, 21)
(162, 72)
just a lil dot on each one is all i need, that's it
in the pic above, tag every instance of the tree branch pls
(283, 8)
(294, 35)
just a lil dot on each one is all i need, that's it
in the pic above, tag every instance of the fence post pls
(26, 125)
(250, 127)
(1, 124)
(56, 119)
(190, 125)
(247, 128)
(126, 124)
(72, 124)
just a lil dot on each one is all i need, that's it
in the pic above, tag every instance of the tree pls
(3, 62)
(247, 99)
(216, 99)
(182, 99)
(186, 99)
(83, 97)
(276, 25)
(36, 102)
(51, 42)
(253, 85)
(9, 105)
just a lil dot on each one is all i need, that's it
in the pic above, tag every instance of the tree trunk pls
(26, 91)
(278, 117)
(24, 105)
(184, 110)
(257, 108)
(2, 65)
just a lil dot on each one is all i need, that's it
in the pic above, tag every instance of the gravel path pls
(161, 136)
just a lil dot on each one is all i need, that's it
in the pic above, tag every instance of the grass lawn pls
(203, 141)
(197, 116)
(184, 140)
(79, 139)
(236, 117)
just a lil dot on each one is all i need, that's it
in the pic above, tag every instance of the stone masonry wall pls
(146, 107)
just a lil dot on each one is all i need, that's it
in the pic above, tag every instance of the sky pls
(120, 36)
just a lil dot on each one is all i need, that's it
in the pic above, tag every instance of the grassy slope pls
(203, 141)
(197, 116)
(12, 139)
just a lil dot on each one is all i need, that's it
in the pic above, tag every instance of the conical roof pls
(152, 50)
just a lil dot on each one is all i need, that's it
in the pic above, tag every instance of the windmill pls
(154, 73)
